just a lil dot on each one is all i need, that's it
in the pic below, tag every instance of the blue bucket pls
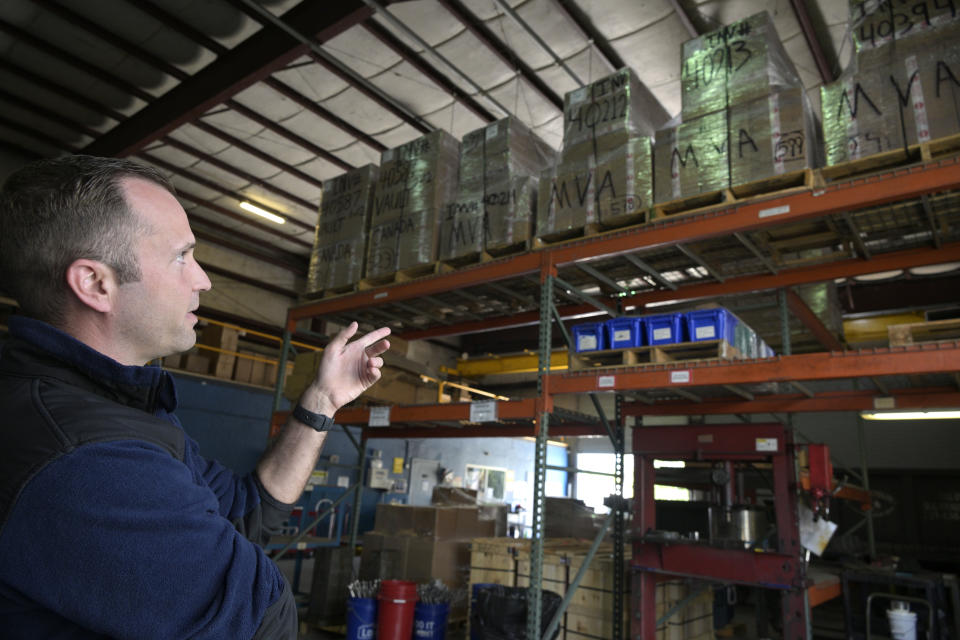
(361, 618)
(430, 621)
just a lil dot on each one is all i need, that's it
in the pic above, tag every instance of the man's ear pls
(93, 283)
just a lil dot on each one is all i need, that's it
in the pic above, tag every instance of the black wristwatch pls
(318, 421)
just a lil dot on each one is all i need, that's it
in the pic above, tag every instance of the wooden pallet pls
(403, 275)
(566, 235)
(452, 264)
(655, 354)
(690, 204)
(922, 152)
(510, 249)
(636, 218)
(332, 292)
(782, 184)
(901, 335)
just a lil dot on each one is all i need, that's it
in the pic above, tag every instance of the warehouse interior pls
(686, 479)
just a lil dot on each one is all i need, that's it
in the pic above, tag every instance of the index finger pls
(374, 336)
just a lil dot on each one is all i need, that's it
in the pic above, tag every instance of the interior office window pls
(490, 482)
(593, 488)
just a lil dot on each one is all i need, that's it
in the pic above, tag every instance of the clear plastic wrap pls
(896, 96)
(415, 180)
(497, 164)
(691, 158)
(340, 241)
(562, 199)
(738, 63)
(605, 113)
(877, 23)
(772, 136)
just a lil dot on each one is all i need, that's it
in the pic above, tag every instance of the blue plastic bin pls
(664, 329)
(361, 618)
(589, 337)
(625, 332)
(712, 324)
(430, 621)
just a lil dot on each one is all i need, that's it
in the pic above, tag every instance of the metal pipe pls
(572, 589)
(533, 34)
(303, 532)
(389, 17)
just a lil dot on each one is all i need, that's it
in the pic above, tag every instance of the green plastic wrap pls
(415, 180)
(494, 209)
(691, 158)
(603, 114)
(874, 24)
(772, 136)
(340, 240)
(738, 63)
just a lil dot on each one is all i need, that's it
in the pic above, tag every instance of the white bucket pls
(903, 622)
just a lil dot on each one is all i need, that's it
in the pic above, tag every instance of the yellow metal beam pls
(517, 363)
(874, 329)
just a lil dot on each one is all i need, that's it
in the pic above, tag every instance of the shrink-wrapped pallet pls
(494, 207)
(602, 115)
(772, 136)
(416, 179)
(340, 241)
(691, 158)
(896, 96)
(738, 63)
(875, 24)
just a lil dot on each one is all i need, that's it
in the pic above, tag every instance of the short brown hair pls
(56, 211)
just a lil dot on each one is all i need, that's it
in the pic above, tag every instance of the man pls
(111, 523)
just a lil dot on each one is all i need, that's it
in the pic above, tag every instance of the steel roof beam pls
(810, 320)
(254, 59)
(52, 116)
(653, 273)
(215, 186)
(599, 277)
(505, 53)
(185, 195)
(684, 18)
(292, 262)
(42, 137)
(417, 62)
(826, 69)
(70, 59)
(536, 38)
(298, 140)
(583, 22)
(252, 179)
(260, 284)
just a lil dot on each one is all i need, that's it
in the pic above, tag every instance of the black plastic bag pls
(500, 613)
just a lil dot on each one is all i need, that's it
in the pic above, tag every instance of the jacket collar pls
(148, 388)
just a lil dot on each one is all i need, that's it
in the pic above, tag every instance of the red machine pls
(780, 566)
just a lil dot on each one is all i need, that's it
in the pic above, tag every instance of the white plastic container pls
(903, 622)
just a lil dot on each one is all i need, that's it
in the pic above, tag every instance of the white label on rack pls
(680, 377)
(773, 211)
(662, 334)
(587, 343)
(382, 294)
(621, 335)
(483, 411)
(706, 333)
(379, 417)
(606, 382)
(885, 402)
(767, 444)
(491, 132)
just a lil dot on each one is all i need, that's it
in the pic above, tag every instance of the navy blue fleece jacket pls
(111, 522)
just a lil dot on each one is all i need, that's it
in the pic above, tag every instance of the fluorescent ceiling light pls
(880, 275)
(933, 269)
(669, 464)
(252, 208)
(933, 414)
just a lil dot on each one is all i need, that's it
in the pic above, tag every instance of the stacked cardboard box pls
(744, 114)
(415, 180)
(506, 561)
(496, 201)
(604, 175)
(423, 543)
(893, 96)
(340, 243)
(877, 23)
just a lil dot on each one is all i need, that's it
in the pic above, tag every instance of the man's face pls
(154, 317)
